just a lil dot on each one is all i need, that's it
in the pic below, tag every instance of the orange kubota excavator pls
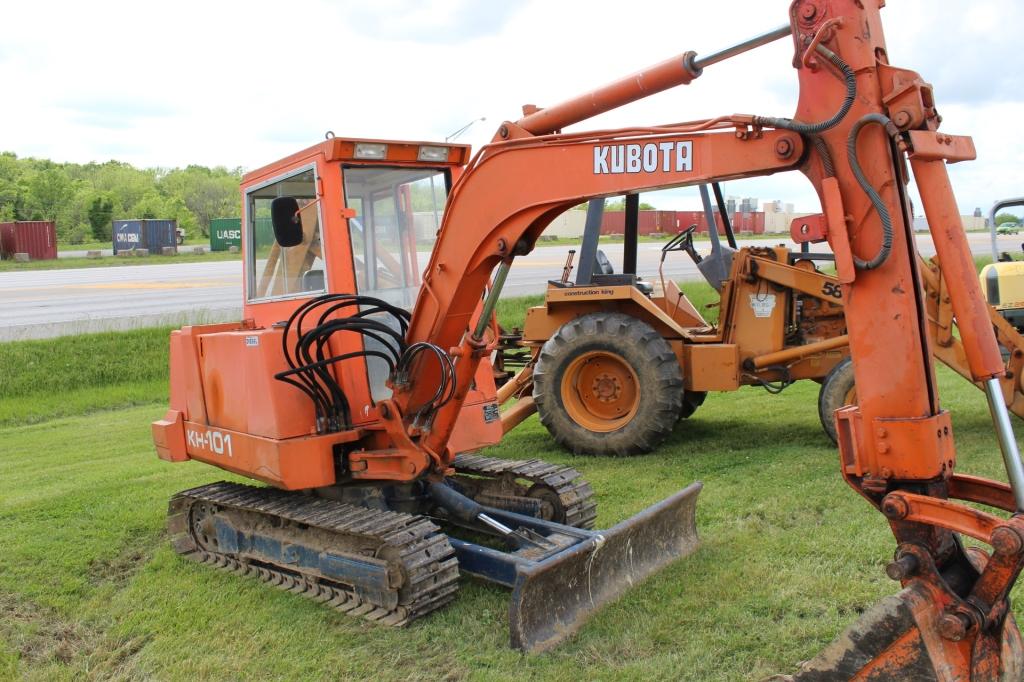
(356, 410)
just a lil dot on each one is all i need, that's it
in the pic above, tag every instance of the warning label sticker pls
(762, 304)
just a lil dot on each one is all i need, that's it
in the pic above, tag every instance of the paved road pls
(45, 303)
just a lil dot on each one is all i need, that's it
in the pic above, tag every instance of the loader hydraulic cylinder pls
(679, 70)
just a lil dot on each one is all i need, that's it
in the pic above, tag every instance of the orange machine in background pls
(388, 383)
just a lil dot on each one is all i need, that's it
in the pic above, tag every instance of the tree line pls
(84, 199)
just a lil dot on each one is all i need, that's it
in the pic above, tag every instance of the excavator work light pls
(368, 150)
(428, 153)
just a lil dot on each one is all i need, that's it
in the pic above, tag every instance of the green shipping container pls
(225, 233)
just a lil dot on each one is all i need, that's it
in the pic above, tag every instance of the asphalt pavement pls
(46, 303)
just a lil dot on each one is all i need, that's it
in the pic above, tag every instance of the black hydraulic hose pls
(826, 155)
(446, 385)
(283, 376)
(313, 386)
(849, 77)
(309, 366)
(312, 376)
(876, 199)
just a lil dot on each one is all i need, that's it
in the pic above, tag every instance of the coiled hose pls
(813, 130)
(873, 195)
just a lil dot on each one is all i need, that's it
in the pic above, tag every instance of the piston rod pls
(492, 299)
(1007, 441)
(740, 48)
(678, 70)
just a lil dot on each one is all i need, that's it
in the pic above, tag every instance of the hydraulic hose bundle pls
(813, 131)
(306, 351)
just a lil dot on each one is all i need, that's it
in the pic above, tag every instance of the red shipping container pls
(741, 222)
(648, 222)
(673, 222)
(37, 238)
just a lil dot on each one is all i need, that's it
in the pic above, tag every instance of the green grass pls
(108, 261)
(40, 380)
(90, 589)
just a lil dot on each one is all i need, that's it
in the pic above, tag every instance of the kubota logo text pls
(647, 158)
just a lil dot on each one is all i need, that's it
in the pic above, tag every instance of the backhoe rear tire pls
(837, 390)
(608, 384)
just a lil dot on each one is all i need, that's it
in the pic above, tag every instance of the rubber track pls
(575, 493)
(427, 559)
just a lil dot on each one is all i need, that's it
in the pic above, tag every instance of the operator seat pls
(604, 273)
(602, 265)
(717, 266)
(313, 280)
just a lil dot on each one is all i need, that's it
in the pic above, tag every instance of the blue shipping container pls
(153, 235)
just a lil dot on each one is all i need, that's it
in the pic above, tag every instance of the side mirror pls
(284, 214)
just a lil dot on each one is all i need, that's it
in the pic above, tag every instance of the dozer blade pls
(553, 597)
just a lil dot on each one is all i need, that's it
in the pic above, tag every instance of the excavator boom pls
(857, 119)
(362, 402)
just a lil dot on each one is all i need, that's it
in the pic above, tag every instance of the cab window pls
(275, 271)
(398, 212)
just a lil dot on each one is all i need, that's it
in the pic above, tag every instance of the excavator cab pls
(303, 394)
(345, 217)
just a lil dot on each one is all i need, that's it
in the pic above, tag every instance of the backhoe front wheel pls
(837, 390)
(608, 384)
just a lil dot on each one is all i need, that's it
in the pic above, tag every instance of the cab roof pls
(343, 149)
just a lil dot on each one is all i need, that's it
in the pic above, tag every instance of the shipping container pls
(225, 233)
(37, 238)
(264, 231)
(152, 235)
(741, 222)
(648, 222)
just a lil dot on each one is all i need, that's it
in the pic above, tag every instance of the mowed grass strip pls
(75, 374)
(109, 261)
(90, 589)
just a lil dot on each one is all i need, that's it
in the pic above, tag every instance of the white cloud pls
(244, 83)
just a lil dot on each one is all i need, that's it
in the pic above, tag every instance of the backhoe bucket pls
(898, 639)
(555, 589)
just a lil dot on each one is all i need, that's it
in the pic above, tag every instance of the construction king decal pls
(646, 158)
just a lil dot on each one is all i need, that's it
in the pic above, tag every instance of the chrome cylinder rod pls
(1007, 441)
(492, 298)
(495, 524)
(746, 46)
(678, 70)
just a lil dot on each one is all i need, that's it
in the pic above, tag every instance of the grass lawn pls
(89, 587)
(108, 261)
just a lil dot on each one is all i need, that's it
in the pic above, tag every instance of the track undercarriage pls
(390, 562)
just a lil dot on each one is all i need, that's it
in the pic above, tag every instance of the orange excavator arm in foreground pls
(386, 462)
(857, 122)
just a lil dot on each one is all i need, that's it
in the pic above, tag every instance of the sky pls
(245, 83)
